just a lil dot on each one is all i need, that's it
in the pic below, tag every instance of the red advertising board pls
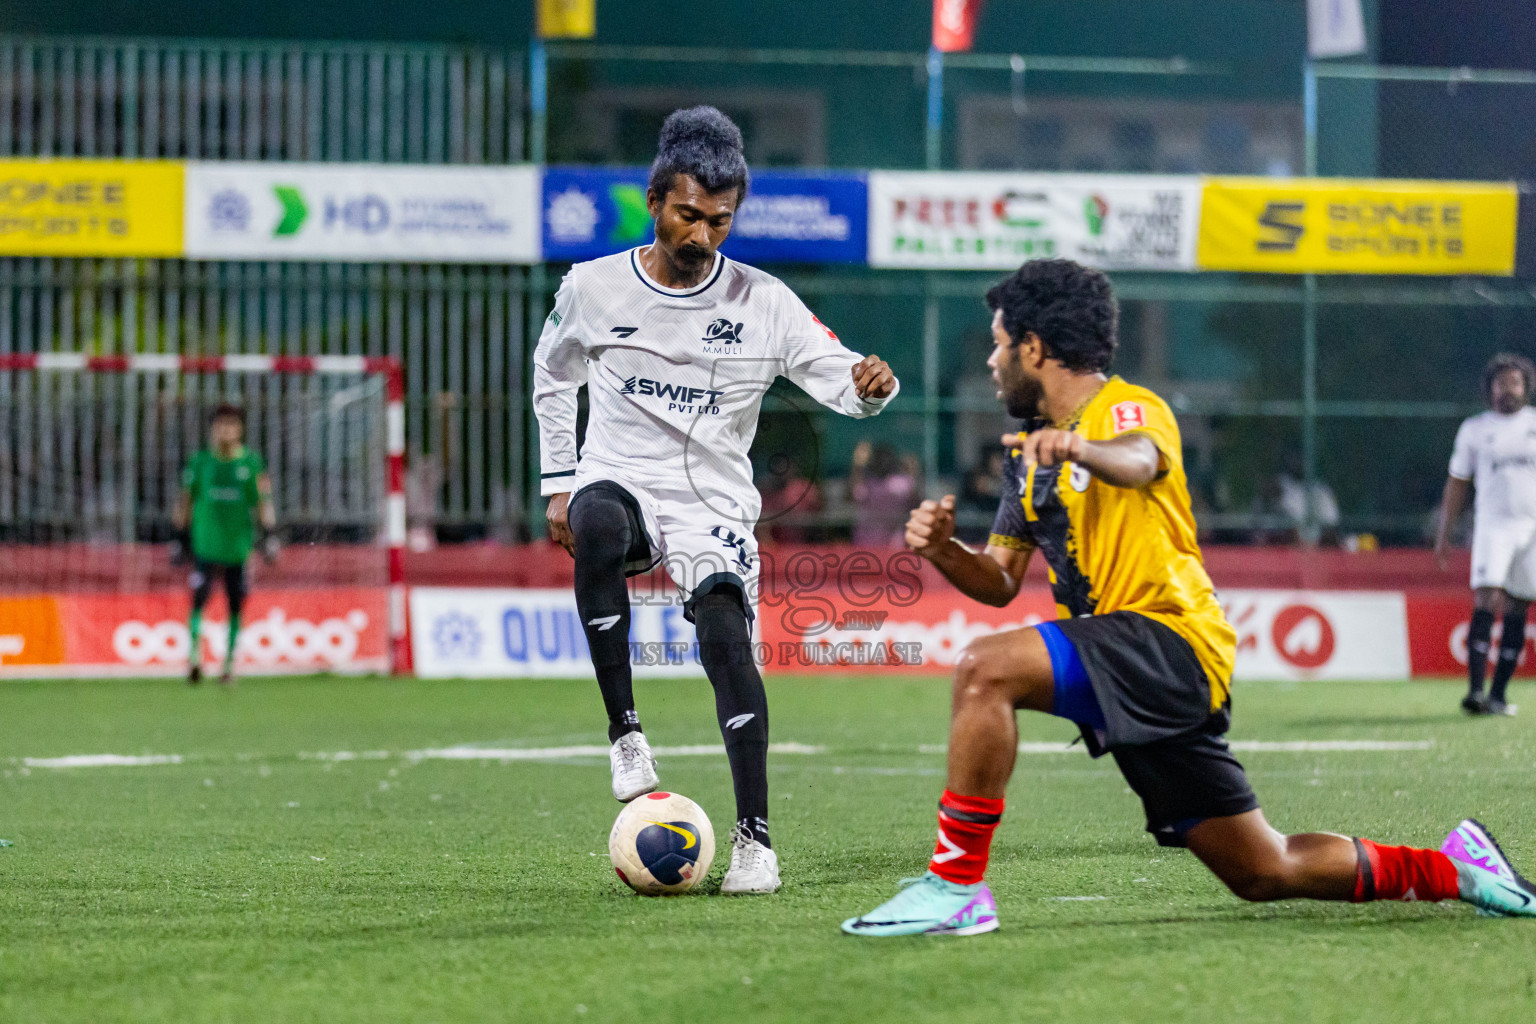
(335, 629)
(1437, 634)
(831, 633)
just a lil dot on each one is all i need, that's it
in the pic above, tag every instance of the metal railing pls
(1258, 367)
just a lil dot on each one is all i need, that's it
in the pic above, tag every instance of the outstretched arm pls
(1130, 460)
(991, 576)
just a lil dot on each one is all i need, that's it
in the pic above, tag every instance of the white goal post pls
(91, 449)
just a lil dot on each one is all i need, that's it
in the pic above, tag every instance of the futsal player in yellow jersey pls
(1142, 656)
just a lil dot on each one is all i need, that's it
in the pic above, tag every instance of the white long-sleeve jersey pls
(675, 377)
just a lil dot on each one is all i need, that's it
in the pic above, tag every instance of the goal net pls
(92, 451)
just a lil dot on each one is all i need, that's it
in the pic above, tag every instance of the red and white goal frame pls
(378, 366)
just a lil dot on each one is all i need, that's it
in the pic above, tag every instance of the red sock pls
(966, 824)
(1403, 873)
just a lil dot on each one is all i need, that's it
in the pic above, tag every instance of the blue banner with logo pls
(787, 218)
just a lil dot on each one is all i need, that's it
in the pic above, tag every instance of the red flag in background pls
(954, 24)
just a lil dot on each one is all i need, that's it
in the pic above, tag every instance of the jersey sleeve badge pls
(1128, 416)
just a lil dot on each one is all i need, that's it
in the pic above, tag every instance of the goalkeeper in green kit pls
(224, 491)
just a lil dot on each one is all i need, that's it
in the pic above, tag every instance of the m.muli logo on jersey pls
(723, 332)
(680, 397)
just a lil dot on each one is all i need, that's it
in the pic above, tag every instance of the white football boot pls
(634, 769)
(754, 867)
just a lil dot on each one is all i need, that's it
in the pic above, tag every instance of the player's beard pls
(693, 258)
(1022, 395)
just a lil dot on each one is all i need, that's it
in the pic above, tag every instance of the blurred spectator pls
(884, 486)
(1301, 505)
(788, 499)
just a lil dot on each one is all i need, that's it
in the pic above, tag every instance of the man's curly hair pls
(1508, 361)
(1069, 306)
(704, 144)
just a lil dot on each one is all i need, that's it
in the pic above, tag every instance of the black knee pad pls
(606, 523)
(720, 618)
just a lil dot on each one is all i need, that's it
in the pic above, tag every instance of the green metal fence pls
(1358, 382)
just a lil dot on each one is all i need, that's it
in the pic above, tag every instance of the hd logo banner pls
(90, 207)
(363, 212)
(1357, 226)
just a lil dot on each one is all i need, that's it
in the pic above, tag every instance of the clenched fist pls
(872, 378)
(931, 526)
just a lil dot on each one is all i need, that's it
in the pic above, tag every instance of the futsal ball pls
(662, 844)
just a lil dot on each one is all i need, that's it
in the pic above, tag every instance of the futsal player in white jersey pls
(676, 345)
(1495, 451)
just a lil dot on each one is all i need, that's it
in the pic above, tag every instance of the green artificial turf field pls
(257, 880)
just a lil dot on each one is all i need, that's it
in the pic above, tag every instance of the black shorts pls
(1160, 727)
(205, 573)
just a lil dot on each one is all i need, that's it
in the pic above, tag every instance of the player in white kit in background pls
(1496, 452)
(676, 345)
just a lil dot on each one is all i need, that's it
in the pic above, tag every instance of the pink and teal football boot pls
(1487, 879)
(928, 905)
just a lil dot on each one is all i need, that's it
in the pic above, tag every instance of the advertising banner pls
(940, 220)
(787, 218)
(1437, 633)
(363, 212)
(828, 632)
(325, 630)
(1318, 634)
(1357, 226)
(90, 208)
(506, 633)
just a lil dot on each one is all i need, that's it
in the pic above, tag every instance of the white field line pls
(1312, 746)
(1240, 746)
(472, 753)
(508, 754)
(100, 761)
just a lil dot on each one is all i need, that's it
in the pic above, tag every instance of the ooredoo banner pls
(324, 630)
(365, 212)
(1437, 629)
(942, 220)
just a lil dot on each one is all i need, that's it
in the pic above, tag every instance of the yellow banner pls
(91, 207)
(1357, 226)
(567, 19)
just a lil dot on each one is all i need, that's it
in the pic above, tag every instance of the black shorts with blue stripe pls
(1158, 723)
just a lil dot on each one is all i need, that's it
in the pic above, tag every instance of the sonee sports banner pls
(90, 208)
(1357, 226)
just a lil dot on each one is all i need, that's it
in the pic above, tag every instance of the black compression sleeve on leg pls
(741, 704)
(234, 588)
(600, 523)
(1477, 649)
(202, 586)
(1511, 643)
